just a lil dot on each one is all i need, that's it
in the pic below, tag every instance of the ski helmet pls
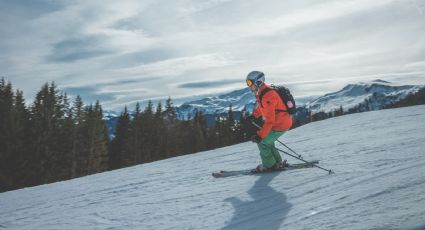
(255, 77)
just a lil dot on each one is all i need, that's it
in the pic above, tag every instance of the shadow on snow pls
(267, 209)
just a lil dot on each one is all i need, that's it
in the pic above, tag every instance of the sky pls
(123, 52)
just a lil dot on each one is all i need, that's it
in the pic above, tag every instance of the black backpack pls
(285, 95)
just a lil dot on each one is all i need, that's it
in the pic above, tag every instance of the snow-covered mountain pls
(378, 93)
(238, 99)
(111, 119)
(379, 182)
(375, 95)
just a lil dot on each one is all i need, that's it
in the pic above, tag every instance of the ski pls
(224, 173)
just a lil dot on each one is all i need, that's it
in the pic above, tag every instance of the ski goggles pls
(249, 82)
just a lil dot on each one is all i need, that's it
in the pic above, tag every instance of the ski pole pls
(328, 170)
(299, 155)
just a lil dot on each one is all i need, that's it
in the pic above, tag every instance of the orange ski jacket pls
(273, 120)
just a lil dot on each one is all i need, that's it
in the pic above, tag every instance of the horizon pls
(176, 102)
(132, 51)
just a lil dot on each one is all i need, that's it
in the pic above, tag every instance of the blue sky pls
(121, 52)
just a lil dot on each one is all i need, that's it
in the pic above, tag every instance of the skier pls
(276, 121)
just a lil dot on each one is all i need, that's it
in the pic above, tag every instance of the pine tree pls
(6, 105)
(65, 136)
(216, 135)
(159, 134)
(170, 112)
(196, 134)
(203, 126)
(339, 112)
(148, 137)
(98, 145)
(246, 129)
(13, 127)
(119, 155)
(136, 136)
(185, 133)
(46, 116)
(78, 147)
(230, 128)
(172, 144)
(21, 165)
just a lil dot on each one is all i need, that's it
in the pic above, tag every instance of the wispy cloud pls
(79, 48)
(208, 84)
(181, 65)
(203, 6)
(90, 93)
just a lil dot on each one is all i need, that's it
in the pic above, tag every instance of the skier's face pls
(251, 85)
(253, 88)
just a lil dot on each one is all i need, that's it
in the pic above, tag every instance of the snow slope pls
(378, 157)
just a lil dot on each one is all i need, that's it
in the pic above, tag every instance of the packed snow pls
(379, 183)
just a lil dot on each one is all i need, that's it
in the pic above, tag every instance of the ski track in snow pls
(378, 157)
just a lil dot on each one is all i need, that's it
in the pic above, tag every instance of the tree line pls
(417, 98)
(151, 135)
(56, 138)
(49, 141)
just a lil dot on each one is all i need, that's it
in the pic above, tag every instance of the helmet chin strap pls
(255, 90)
(258, 87)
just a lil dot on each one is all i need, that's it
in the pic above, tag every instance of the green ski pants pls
(269, 154)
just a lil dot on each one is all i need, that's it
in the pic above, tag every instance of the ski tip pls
(331, 172)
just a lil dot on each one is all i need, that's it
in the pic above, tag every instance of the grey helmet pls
(256, 77)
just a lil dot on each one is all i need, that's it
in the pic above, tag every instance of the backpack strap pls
(265, 90)
(260, 97)
(281, 110)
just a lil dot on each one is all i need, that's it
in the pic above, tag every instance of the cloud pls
(29, 8)
(89, 94)
(207, 84)
(136, 50)
(181, 65)
(204, 5)
(79, 48)
(128, 24)
(147, 56)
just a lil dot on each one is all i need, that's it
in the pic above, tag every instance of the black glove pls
(258, 120)
(250, 118)
(256, 139)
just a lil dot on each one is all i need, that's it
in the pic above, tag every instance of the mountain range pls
(372, 95)
(376, 94)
